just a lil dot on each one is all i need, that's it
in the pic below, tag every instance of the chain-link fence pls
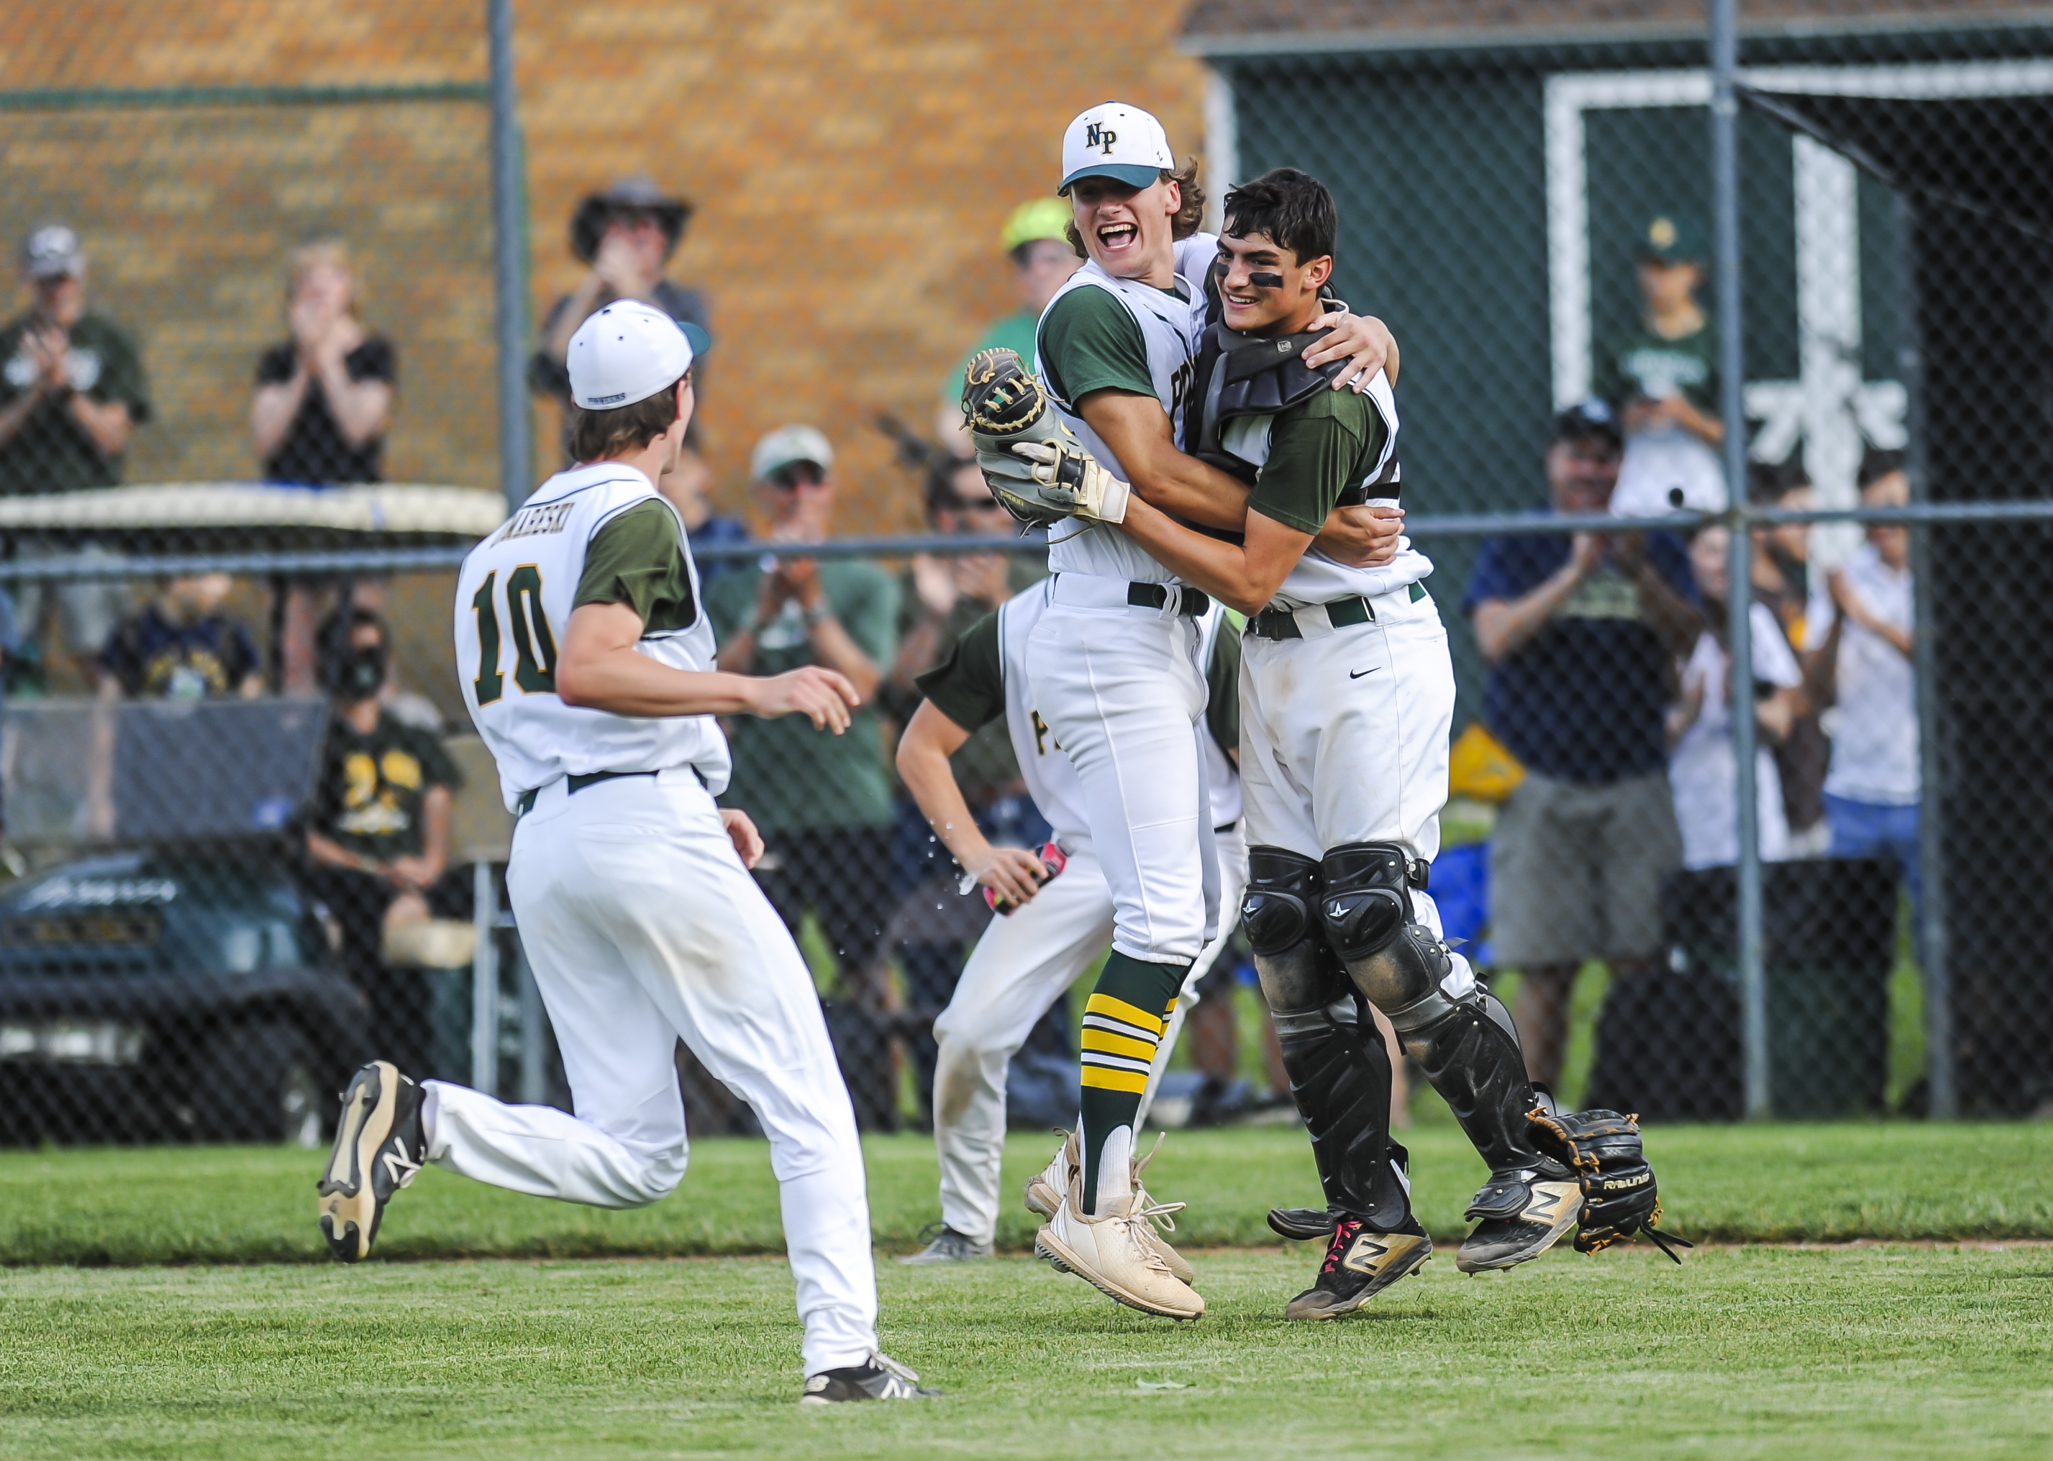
(253, 839)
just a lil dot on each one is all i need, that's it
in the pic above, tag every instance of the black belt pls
(579, 783)
(1340, 613)
(1191, 602)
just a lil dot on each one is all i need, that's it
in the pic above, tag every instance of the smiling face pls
(1265, 308)
(1128, 232)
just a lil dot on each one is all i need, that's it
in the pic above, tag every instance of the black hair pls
(940, 492)
(332, 639)
(598, 434)
(1877, 463)
(1590, 420)
(1767, 483)
(1292, 207)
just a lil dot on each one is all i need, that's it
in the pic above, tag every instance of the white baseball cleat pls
(1044, 1196)
(1117, 1253)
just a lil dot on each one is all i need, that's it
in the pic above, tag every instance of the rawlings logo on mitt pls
(1603, 1150)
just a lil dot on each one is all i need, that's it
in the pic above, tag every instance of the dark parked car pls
(170, 995)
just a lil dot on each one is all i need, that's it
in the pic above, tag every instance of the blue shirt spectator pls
(1583, 699)
(1580, 631)
(182, 647)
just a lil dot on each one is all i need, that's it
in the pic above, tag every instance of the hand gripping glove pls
(1033, 463)
(1603, 1149)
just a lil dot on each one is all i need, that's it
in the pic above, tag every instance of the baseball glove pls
(1603, 1149)
(1034, 464)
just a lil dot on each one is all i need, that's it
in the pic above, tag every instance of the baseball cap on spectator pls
(1586, 420)
(1036, 219)
(631, 196)
(625, 353)
(52, 251)
(788, 445)
(1114, 140)
(1670, 238)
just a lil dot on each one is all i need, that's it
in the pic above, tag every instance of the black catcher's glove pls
(1603, 1149)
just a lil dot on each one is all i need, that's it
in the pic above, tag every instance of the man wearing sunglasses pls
(824, 809)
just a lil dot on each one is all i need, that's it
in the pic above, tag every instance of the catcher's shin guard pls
(1467, 1046)
(1339, 1071)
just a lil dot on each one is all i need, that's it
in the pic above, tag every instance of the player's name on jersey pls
(549, 517)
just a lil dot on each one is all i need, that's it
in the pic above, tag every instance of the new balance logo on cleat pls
(379, 1149)
(1360, 1264)
(1521, 1219)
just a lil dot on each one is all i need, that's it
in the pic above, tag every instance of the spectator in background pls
(1580, 634)
(1859, 643)
(626, 236)
(72, 393)
(377, 834)
(1703, 770)
(1042, 261)
(1781, 560)
(686, 485)
(1662, 380)
(822, 803)
(323, 399)
(180, 646)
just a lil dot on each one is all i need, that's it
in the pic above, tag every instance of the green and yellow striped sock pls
(1123, 1024)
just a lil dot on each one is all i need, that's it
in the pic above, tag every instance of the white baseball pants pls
(1019, 967)
(1122, 691)
(1344, 733)
(643, 928)
(1344, 737)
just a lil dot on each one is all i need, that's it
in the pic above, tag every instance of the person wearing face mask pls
(377, 838)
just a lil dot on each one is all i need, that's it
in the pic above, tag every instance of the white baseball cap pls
(625, 353)
(788, 444)
(1114, 140)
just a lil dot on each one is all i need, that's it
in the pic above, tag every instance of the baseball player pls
(587, 664)
(1054, 925)
(1114, 663)
(1347, 702)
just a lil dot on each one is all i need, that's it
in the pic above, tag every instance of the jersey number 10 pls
(534, 647)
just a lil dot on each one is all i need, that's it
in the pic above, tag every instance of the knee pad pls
(1282, 891)
(1367, 896)
(1370, 922)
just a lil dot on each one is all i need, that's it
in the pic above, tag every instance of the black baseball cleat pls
(1524, 1213)
(878, 1378)
(1302, 1224)
(378, 1150)
(1360, 1263)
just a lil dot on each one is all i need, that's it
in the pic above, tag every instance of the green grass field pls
(526, 1328)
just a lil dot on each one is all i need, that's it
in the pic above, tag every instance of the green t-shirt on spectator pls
(788, 776)
(1014, 332)
(52, 452)
(1641, 363)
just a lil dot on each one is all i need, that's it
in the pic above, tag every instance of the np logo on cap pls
(1114, 140)
(626, 352)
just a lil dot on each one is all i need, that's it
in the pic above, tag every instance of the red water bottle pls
(1053, 861)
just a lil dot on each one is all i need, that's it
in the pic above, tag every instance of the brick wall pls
(851, 162)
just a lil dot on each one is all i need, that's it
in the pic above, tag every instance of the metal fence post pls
(484, 974)
(509, 259)
(1942, 1090)
(1739, 593)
